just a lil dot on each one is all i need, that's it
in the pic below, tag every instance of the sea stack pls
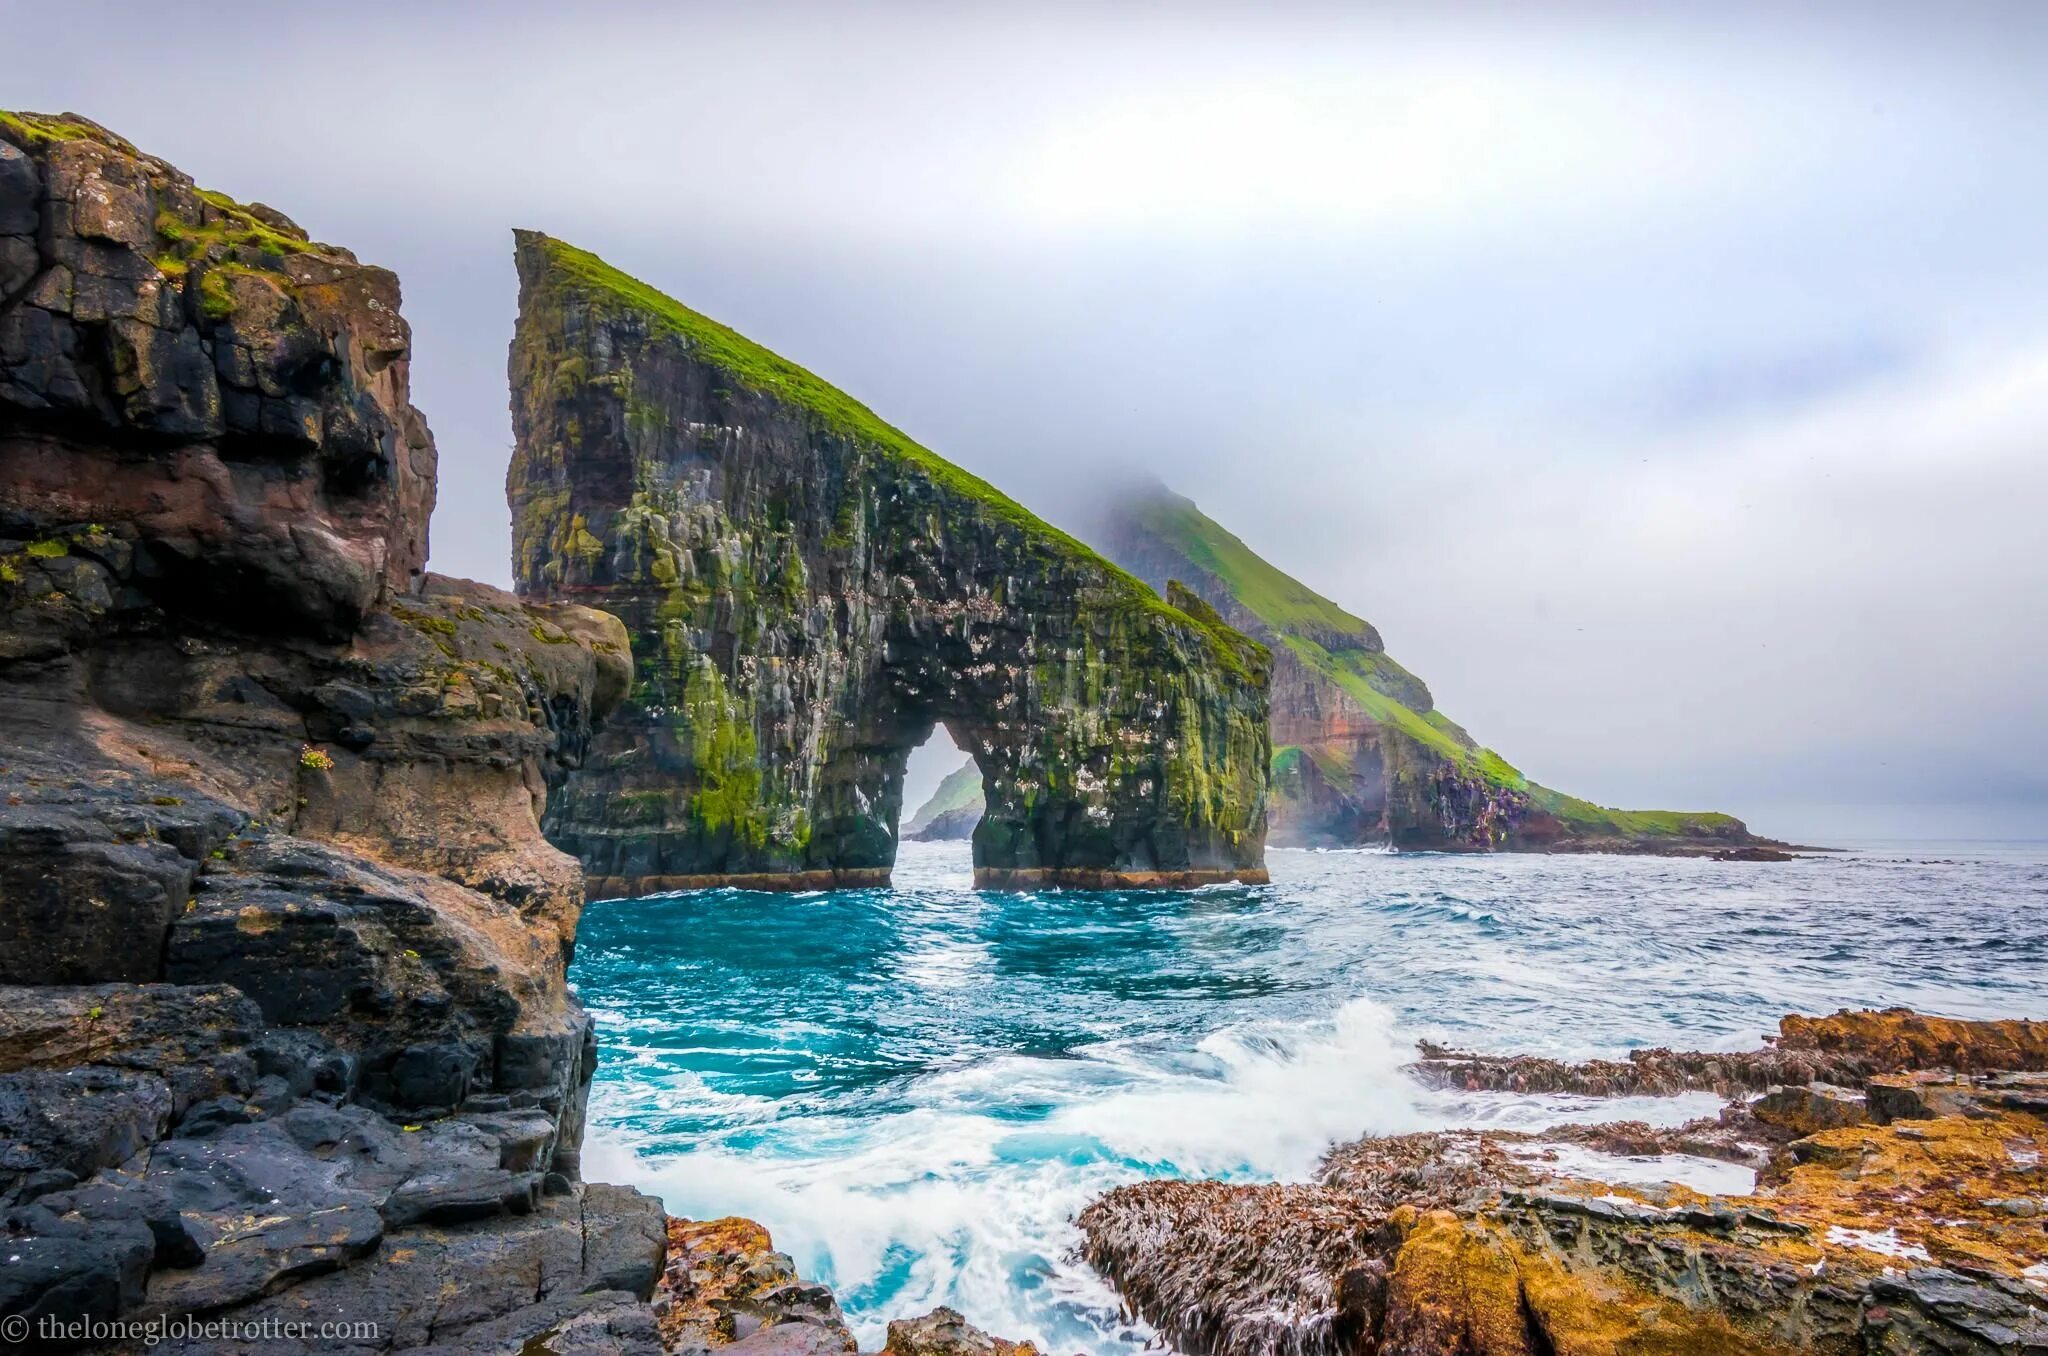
(809, 592)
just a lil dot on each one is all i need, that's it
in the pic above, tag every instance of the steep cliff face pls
(233, 392)
(284, 1031)
(953, 810)
(1360, 752)
(809, 592)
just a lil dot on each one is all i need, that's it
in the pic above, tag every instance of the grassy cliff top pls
(1305, 621)
(771, 374)
(213, 226)
(1277, 598)
(42, 129)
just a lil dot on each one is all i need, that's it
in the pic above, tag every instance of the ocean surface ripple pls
(915, 1089)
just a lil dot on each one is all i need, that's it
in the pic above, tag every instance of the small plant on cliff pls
(216, 302)
(314, 760)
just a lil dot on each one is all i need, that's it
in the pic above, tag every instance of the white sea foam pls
(1707, 1175)
(952, 1201)
(867, 1080)
(956, 1200)
(1885, 1242)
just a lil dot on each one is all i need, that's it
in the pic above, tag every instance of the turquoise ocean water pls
(917, 1088)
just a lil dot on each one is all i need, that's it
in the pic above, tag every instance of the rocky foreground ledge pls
(1902, 1213)
(285, 1034)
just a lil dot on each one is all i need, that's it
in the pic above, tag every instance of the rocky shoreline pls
(285, 1033)
(1901, 1213)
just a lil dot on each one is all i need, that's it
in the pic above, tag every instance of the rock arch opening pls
(808, 592)
(942, 792)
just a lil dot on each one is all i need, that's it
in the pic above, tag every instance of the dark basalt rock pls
(284, 1024)
(1753, 854)
(952, 826)
(809, 593)
(199, 370)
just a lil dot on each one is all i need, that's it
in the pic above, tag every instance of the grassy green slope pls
(959, 791)
(1280, 600)
(1305, 621)
(758, 369)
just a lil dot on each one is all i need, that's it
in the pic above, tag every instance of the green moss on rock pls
(809, 591)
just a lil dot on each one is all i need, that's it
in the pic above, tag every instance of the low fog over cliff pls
(1671, 388)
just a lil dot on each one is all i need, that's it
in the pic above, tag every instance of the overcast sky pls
(1668, 383)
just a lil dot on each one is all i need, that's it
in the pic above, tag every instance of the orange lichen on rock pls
(1578, 1314)
(1455, 1287)
(1899, 1038)
(1478, 1287)
(1962, 1191)
(724, 1281)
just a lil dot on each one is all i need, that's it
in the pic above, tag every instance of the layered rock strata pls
(1360, 752)
(809, 593)
(284, 1030)
(1903, 1220)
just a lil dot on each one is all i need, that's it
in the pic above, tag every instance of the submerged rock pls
(809, 593)
(1360, 752)
(1909, 1237)
(1753, 854)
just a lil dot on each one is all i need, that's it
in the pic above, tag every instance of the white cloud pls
(1666, 382)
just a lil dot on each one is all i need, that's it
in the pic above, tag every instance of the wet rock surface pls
(809, 593)
(943, 1332)
(284, 1027)
(1913, 1229)
(726, 1289)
